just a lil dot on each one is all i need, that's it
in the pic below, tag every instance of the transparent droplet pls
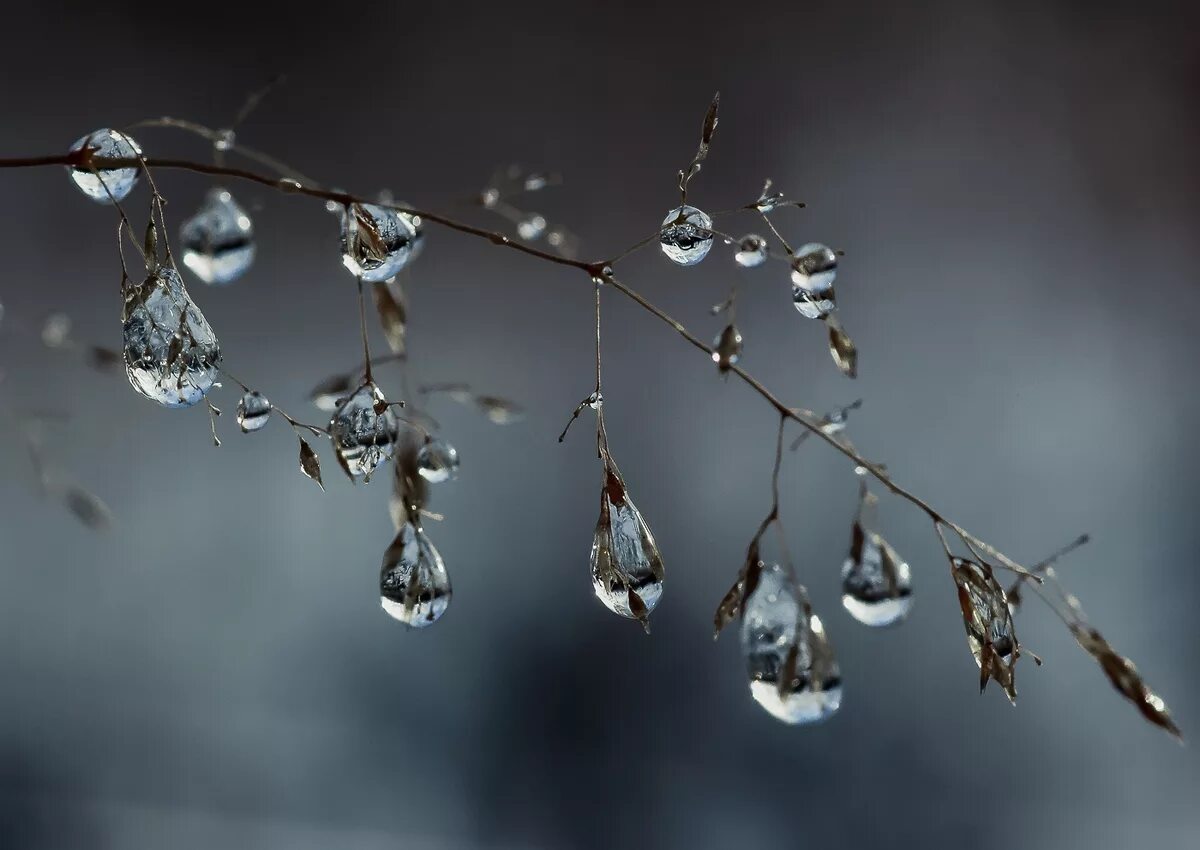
(793, 673)
(363, 431)
(814, 266)
(437, 461)
(377, 242)
(414, 586)
(253, 411)
(751, 252)
(106, 144)
(171, 352)
(627, 569)
(218, 241)
(727, 348)
(536, 181)
(686, 235)
(56, 330)
(876, 581)
(531, 227)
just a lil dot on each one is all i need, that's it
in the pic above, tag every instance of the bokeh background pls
(1015, 186)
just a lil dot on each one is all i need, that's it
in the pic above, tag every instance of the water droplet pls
(225, 140)
(363, 431)
(751, 252)
(437, 461)
(218, 241)
(253, 411)
(56, 330)
(627, 569)
(727, 348)
(686, 235)
(531, 227)
(793, 673)
(106, 144)
(814, 266)
(376, 242)
(414, 586)
(876, 581)
(171, 352)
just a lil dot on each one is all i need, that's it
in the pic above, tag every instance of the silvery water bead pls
(218, 241)
(876, 581)
(253, 411)
(106, 144)
(751, 252)
(414, 586)
(363, 431)
(377, 242)
(686, 235)
(437, 461)
(814, 266)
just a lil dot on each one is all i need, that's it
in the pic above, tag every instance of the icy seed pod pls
(814, 266)
(106, 144)
(686, 235)
(363, 431)
(414, 586)
(792, 670)
(171, 352)
(876, 582)
(377, 242)
(218, 241)
(437, 461)
(253, 411)
(627, 569)
(751, 252)
(531, 227)
(727, 348)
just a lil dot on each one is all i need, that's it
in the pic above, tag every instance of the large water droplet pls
(814, 267)
(106, 144)
(377, 242)
(253, 411)
(751, 252)
(686, 235)
(363, 431)
(876, 581)
(414, 586)
(627, 569)
(171, 352)
(437, 461)
(218, 241)
(793, 673)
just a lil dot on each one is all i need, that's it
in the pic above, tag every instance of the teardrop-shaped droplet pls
(627, 569)
(377, 242)
(686, 236)
(437, 461)
(171, 352)
(814, 267)
(253, 411)
(218, 241)
(751, 252)
(793, 673)
(106, 144)
(727, 348)
(414, 586)
(876, 581)
(363, 431)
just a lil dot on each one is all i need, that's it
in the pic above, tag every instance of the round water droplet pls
(437, 461)
(106, 144)
(814, 266)
(531, 227)
(218, 241)
(363, 431)
(377, 242)
(414, 586)
(751, 252)
(171, 352)
(876, 582)
(253, 412)
(686, 235)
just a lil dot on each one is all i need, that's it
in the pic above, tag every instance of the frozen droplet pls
(727, 348)
(171, 352)
(106, 144)
(377, 242)
(531, 227)
(751, 252)
(627, 569)
(253, 411)
(814, 266)
(437, 461)
(218, 241)
(363, 431)
(686, 235)
(793, 673)
(414, 586)
(876, 581)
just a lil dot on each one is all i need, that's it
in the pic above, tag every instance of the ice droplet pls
(218, 241)
(814, 266)
(437, 461)
(377, 242)
(751, 252)
(686, 236)
(363, 431)
(106, 144)
(531, 227)
(171, 352)
(627, 569)
(414, 586)
(253, 411)
(793, 673)
(876, 581)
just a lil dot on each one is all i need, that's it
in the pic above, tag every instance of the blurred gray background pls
(1015, 185)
